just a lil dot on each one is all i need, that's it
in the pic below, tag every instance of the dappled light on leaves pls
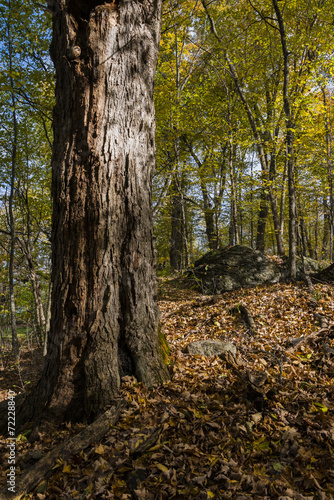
(256, 425)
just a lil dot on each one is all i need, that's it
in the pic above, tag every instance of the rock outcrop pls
(240, 266)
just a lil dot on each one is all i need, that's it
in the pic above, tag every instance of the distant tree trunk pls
(47, 320)
(307, 245)
(15, 341)
(219, 191)
(234, 228)
(210, 210)
(40, 318)
(262, 221)
(185, 253)
(105, 319)
(283, 189)
(289, 124)
(326, 231)
(209, 218)
(329, 161)
(175, 253)
(278, 230)
(316, 231)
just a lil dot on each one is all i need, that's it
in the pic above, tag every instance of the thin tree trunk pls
(210, 212)
(308, 248)
(284, 179)
(329, 161)
(262, 221)
(104, 314)
(274, 209)
(289, 124)
(185, 253)
(234, 237)
(47, 320)
(326, 231)
(219, 194)
(15, 341)
(316, 230)
(176, 247)
(40, 318)
(209, 218)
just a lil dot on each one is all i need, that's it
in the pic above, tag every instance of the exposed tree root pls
(306, 277)
(94, 432)
(323, 321)
(246, 316)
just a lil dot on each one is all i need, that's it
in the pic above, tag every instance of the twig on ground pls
(323, 332)
(246, 316)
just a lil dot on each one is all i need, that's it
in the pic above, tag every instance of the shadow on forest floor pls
(219, 433)
(21, 375)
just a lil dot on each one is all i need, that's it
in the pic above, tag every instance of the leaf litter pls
(258, 425)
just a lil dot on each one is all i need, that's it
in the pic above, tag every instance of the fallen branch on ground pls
(206, 300)
(92, 433)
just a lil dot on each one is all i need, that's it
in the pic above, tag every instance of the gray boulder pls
(234, 267)
(239, 266)
(210, 348)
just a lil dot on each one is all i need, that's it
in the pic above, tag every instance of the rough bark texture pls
(104, 316)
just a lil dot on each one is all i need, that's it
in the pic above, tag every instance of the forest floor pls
(263, 429)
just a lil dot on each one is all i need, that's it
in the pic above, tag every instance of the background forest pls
(244, 139)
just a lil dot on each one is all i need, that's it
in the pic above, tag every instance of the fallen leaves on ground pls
(261, 427)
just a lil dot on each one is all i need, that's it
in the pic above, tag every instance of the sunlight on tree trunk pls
(104, 315)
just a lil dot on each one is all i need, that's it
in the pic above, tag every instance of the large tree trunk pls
(105, 319)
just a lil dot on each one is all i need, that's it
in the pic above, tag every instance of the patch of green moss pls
(164, 347)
